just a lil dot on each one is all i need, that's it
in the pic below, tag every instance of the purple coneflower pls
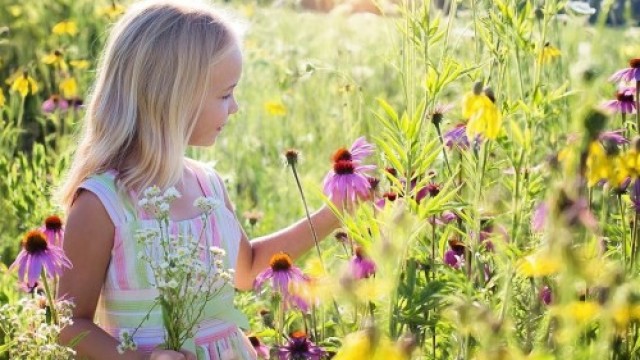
(361, 149)
(624, 102)
(261, 349)
(53, 103)
(38, 255)
(614, 137)
(53, 230)
(387, 196)
(447, 217)
(539, 217)
(347, 180)
(631, 73)
(282, 273)
(545, 295)
(457, 137)
(299, 347)
(454, 257)
(361, 266)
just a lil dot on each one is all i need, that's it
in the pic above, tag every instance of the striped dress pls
(127, 294)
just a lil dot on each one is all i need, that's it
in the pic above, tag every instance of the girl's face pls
(220, 101)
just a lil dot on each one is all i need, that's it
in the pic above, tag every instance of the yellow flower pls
(79, 64)
(582, 311)
(275, 108)
(65, 27)
(316, 291)
(358, 346)
(248, 10)
(548, 53)
(630, 161)
(371, 289)
(112, 11)
(2, 99)
(24, 84)
(55, 58)
(69, 87)
(483, 114)
(538, 265)
(598, 165)
(15, 10)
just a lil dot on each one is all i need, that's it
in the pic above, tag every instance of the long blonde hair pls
(150, 88)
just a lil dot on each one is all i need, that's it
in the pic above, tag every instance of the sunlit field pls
(504, 205)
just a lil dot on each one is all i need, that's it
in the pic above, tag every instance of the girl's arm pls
(87, 242)
(295, 240)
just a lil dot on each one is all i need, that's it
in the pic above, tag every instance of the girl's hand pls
(172, 355)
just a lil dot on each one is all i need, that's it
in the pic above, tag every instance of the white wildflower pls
(207, 204)
(171, 194)
(218, 252)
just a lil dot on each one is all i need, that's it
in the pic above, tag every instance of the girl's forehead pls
(228, 70)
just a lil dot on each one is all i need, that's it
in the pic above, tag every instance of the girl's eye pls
(226, 97)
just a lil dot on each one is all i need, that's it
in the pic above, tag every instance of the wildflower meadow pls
(487, 153)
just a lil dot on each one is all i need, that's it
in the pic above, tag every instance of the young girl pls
(165, 82)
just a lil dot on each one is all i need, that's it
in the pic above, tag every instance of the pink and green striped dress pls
(127, 294)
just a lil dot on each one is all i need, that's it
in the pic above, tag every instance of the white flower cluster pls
(28, 332)
(207, 204)
(156, 203)
(186, 275)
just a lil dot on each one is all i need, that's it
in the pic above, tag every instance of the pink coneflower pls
(632, 73)
(457, 137)
(391, 171)
(454, 257)
(389, 196)
(624, 102)
(361, 266)
(361, 149)
(53, 103)
(347, 181)
(447, 217)
(539, 217)
(261, 349)
(53, 230)
(282, 273)
(546, 296)
(299, 347)
(614, 137)
(36, 256)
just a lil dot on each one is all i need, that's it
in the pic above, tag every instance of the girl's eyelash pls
(227, 96)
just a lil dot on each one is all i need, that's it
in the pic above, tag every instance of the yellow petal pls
(112, 11)
(65, 27)
(79, 64)
(24, 85)
(2, 98)
(275, 108)
(69, 87)
(538, 265)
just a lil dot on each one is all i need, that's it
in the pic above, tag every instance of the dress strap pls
(104, 187)
(206, 180)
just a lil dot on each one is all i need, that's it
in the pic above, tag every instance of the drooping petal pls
(34, 268)
(360, 149)
(261, 278)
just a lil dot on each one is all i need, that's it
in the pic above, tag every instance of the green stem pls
(306, 210)
(50, 298)
(624, 230)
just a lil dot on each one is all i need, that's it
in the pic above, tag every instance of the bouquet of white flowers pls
(185, 283)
